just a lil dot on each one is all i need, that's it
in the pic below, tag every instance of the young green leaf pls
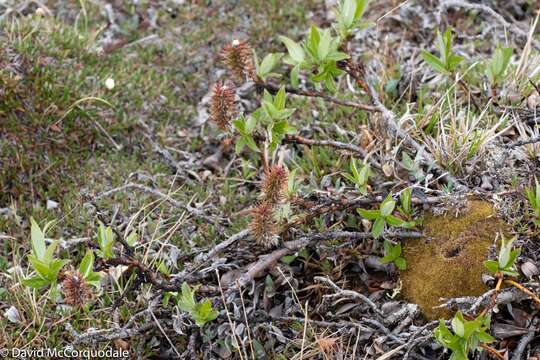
(296, 52)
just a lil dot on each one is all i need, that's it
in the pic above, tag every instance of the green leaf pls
(294, 76)
(348, 12)
(295, 51)
(203, 313)
(280, 98)
(457, 324)
(485, 337)
(49, 252)
(288, 259)
(94, 279)
(54, 268)
(313, 41)
(35, 282)
(387, 207)
(37, 239)
(378, 227)
(40, 267)
(268, 64)
(369, 214)
(401, 263)
(324, 45)
(434, 62)
(186, 301)
(87, 263)
(394, 221)
(132, 238)
(492, 265)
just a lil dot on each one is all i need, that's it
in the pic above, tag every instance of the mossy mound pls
(448, 261)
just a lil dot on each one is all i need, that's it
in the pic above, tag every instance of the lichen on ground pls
(448, 260)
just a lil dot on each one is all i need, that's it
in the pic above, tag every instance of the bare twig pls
(525, 340)
(318, 94)
(349, 294)
(158, 194)
(523, 142)
(290, 247)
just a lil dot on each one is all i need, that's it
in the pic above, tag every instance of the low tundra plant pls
(533, 196)
(105, 239)
(505, 263)
(383, 217)
(359, 176)
(496, 67)
(447, 61)
(465, 336)
(42, 260)
(392, 253)
(202, 312)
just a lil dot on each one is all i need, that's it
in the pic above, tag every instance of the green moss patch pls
(448, 261)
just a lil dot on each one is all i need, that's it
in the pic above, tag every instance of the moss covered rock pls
(448, 260)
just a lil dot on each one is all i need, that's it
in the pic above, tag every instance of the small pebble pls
(486, 183)
(51, 204)
(529, 269)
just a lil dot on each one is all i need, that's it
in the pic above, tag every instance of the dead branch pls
(290, 247)
(127, 331)
(310, 93)
(525, 340)
(523, 142)
(349, 294)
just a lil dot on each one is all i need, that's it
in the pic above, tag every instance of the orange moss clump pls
(448, 261)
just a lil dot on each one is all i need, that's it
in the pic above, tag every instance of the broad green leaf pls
(54, 268)
(434, 62)
(132, 238)
(204, 313)
(394, 220)
(35, 282)
(87, 263)
(485, 337)
(492, 265)
(268, 64)
(41, 268)
(294, 76)
(280, 98)
(457, 325)
(401, 263)
(313, 41)
(49, 252)
(369, 214)
(37, 239)
(378, 227)
(295, 50)
(361, 7)
(324, 45)
(387, 207)
(186, 301)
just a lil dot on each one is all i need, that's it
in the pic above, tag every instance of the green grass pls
(61, 127)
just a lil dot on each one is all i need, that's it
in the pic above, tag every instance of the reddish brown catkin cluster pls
(263, 225)
(222, 104)
(238, 57)
(75, 289)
